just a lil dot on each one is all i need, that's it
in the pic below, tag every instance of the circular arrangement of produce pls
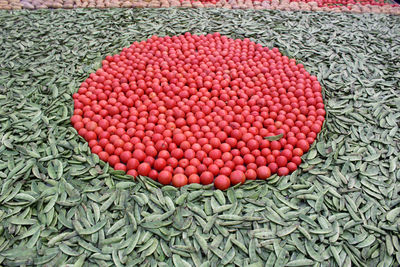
(200, 109)
(125, 141)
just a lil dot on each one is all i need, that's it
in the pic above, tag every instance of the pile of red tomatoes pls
(198, 109)
(348, 3)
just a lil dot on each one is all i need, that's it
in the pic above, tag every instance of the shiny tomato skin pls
(165, 177)
(222, 182)
(263, 172)
(194, 179)
(179, 180)
(144, 169)
(237, 177)
(206, 178)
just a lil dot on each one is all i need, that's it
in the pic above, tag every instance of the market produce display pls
(357, 6)
(60, 205)
(193, 108)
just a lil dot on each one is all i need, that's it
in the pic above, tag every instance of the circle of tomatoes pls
(200, 109)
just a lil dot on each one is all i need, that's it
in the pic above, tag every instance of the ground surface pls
(60, 205)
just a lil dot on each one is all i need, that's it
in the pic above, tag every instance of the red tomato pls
(206, 177)
(153, 174)
(139, 155)
(96, 149)
(238, 160)
(78, 126)
(214, 169)
(296, 160)
(201, 168)
(113, 160)
(76, 118)
(189, 170)
(263, 172)
(194, 179)
(177, 153)
(169, 169)
(125, 156)
(222, 182)
(275, 145)
(291, 166)
(144, 168)
(282, 171)
(151, 151)
(183, 163)
(225, 171)
(159, 164)
(252, 144)
(179, 180)
(173, 162)
(179, 138)
(303, 145)
(270, 158)
(252, 166)
(281, 161)
(132, 164)
(90, 135)
(237, 177)
(132, 173)
(150, 160)
(251, 174)
(178, 170)
(164, 154)
(287, 154)
(103, 156)
(298, 152)
(215, 154)
(249, 158)
(261, 161)
(120, 166)
(91, 126)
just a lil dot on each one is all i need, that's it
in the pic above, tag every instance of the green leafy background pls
(61, 205)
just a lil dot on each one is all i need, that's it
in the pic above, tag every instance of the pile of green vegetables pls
(61, 206)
